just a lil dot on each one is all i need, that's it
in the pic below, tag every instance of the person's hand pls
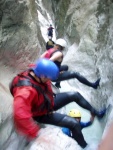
(92, 118)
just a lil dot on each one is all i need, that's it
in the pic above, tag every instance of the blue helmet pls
(47, 68)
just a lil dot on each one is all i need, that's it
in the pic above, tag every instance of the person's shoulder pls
(53, 41)
(58, 52)
(48, 82)
(24, 91)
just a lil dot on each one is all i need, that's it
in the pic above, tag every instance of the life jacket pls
(50, 52)
(27, 81)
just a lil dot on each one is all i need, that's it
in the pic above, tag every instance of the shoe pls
(101, 113)
(96, 84)
(57, 84)
(86, 148)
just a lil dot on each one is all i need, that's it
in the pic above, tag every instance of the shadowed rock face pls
(20, 33)
(86, 25)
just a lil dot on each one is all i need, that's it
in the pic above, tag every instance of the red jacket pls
(27, 103)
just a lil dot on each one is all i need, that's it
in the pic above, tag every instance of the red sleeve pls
(24, 123)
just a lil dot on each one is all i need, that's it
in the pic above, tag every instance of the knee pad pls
(71, 123)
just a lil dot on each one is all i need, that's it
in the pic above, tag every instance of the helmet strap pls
(40, 80)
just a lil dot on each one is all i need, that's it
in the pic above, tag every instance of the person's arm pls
(23, 120)
(66, 131)
(56, 56)
(87, 124)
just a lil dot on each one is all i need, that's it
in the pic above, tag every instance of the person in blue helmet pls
(75, 113)
(34, 102)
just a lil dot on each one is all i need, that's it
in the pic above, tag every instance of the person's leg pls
(50, 34)
(70, 75)
(64, 121)
(62, 68)
(63, 99)
(57, 84)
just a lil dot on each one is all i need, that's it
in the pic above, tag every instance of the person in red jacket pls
(34, 102)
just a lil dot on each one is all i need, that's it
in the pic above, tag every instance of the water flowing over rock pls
(86, 25)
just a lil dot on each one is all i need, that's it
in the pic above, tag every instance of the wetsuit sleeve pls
(85, 124)
(66, 131)
(23, 99)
